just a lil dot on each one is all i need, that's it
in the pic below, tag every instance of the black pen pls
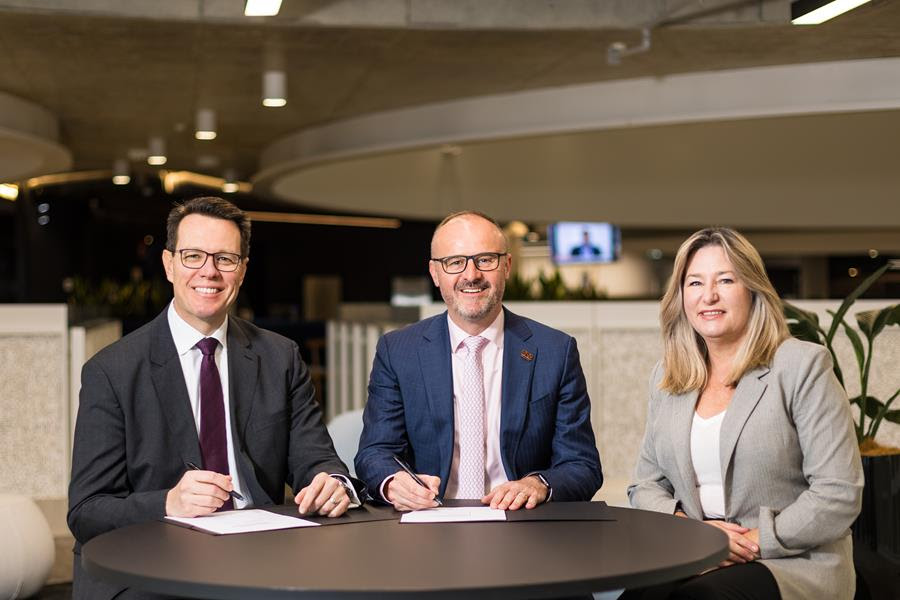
(415, 477)
(233, 493)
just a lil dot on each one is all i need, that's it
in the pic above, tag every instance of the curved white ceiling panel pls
(706, 147)
(28, 141)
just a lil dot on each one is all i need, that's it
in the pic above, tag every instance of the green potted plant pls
(878, 526)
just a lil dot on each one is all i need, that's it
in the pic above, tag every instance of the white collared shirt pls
(186, 338)
(492, 364)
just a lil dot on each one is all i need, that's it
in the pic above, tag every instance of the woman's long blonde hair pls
(685, 358)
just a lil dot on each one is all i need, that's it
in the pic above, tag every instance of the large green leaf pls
(872, 322)
(804, 325)
(851, 298)
(884, 413)
(857, 346)
(873, 405)
(802, 331)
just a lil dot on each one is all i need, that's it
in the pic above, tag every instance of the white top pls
(492, 365)
(707, 465)
(185, 338)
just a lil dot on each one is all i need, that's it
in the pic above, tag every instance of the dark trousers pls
(748, 581)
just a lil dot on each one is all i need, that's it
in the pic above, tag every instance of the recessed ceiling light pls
(262, 8)
(813, 12)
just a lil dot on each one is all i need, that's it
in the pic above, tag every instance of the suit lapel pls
(437, 375)
(515, 387)
(243, 371)
(243, 374)
(171, 391)
(683, 407)
(746, 396)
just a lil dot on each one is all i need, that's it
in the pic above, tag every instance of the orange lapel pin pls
(527, 355)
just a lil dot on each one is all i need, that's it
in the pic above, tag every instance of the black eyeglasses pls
(486, 261)
(225, 262)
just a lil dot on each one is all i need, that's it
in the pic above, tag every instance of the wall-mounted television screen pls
(584, 242)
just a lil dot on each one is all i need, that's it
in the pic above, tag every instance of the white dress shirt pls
(185, 338)
(707, 466)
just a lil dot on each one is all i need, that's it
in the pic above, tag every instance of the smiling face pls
(473, 297)
(203, 296)
(716, 302)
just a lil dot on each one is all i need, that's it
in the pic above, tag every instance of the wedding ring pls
(334, 500)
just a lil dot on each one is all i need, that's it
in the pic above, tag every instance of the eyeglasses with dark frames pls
(485, 261)
(225, 262)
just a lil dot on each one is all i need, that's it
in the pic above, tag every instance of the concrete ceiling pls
(114, 73)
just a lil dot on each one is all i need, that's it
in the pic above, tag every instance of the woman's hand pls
(743, 546)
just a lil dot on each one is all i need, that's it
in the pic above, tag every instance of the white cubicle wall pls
(34, 400)
(40, 374)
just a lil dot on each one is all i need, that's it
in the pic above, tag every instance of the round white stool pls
(26, 547)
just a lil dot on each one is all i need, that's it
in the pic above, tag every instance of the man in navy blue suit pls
(480, 402)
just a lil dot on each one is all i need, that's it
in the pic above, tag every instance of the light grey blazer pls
(790, 466)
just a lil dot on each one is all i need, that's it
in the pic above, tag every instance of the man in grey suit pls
(197, 410)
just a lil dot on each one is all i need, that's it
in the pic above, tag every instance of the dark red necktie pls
(213, 440)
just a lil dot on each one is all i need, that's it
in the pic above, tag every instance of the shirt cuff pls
(351, 491)
(382, 487)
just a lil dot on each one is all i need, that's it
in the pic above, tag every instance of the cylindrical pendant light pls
(274, 88)
(230, 185)
(206, 124)
(156, 151)
(121, 172)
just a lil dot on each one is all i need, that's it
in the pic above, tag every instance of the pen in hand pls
(233, 493)
(415, 477)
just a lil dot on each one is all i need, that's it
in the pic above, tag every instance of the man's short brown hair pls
(209, 206)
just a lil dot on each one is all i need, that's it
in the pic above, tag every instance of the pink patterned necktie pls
(471, 422)
(213, 440)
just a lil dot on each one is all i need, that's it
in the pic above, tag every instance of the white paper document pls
(242, 521)
(454, 514)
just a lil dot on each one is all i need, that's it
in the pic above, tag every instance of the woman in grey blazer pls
(748, 430)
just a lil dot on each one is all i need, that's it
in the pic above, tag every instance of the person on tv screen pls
(748, 430)
(586, 250)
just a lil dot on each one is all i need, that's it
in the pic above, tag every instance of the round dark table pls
(380, 559)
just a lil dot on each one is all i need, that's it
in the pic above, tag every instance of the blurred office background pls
(349, 128)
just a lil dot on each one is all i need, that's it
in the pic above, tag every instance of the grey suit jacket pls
(135, 430)
(790, 466)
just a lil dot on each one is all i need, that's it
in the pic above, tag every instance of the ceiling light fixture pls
(173, 180)
(230, 185)
(813, 12)
(156, 151)
(619, 50)
(9, 191)
(120, 172)
(307, 219)
(262, 8)
(274, 88)
(205, 124)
